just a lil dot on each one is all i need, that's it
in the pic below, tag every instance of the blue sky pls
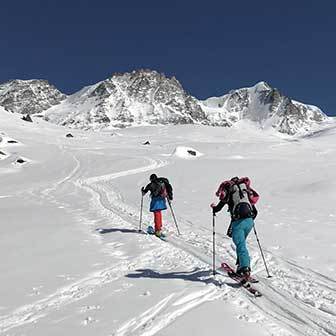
(210, 46)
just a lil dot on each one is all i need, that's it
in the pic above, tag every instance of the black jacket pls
(155, 187)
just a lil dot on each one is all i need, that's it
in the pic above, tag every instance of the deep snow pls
(59, 275)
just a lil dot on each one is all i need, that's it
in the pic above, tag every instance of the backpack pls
(239, 196)
(162, 187)
(239, 201)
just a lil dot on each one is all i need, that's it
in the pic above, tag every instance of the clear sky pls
(209, 46)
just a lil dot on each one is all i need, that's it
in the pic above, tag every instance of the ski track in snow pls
(295, 300)
(196, 246)
(76, 291)
(167, 310)
(33, 312)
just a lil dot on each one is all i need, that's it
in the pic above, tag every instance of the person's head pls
(235, 179)
(153, 177)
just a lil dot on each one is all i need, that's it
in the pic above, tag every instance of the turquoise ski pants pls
(240, 230)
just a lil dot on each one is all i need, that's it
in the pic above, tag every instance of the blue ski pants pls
(240, 230)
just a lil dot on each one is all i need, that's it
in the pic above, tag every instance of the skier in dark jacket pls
(160, 189)
(241, 199)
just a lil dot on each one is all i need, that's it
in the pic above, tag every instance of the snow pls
(186, 152)
(59, 275)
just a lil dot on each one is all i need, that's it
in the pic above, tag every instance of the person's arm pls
(145, 190)
(218, 207)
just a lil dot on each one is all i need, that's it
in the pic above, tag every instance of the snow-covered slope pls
(60, 275)
(29, 96)
(265, 106)
(138, 97)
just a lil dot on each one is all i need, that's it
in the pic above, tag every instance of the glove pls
(212, 205)
(143, 191)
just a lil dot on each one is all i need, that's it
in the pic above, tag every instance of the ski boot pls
(244, 273)
(158, 233)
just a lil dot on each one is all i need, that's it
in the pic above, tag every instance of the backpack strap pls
(241, 194)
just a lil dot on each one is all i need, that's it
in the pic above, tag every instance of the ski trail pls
(76, 291)
(153, 164)
(65, 179)
(82, 288)
(296, 298)
(167, 310)
(196, 246)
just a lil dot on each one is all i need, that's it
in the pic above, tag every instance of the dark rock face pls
(27, 118)
(191, 152)
(29, 96)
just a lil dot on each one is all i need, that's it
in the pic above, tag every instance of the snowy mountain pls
(147, 97)
(29, 96)
(264, 105)
(142, 96)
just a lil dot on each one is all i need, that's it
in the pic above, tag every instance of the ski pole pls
(262, 254)
(171, 209)
(141, 206)
(213, 245)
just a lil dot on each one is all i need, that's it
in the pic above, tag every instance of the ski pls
(241, 281)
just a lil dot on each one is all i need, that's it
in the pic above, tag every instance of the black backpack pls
(162, 187)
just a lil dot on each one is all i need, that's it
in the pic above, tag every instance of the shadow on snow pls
(196, 275)
(104, 231)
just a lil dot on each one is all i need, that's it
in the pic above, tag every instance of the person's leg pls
(158, 220)
(239, 229)
(248, 225)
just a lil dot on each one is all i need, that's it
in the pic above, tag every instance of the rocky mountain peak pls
(140, 96)
(29, 96)
(146, 96)
(264, 105)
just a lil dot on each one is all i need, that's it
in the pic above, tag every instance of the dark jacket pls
(155, 188)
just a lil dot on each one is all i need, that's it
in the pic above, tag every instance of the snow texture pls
(75, 263)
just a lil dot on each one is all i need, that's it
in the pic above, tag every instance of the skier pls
(160, 189)
(241, 200)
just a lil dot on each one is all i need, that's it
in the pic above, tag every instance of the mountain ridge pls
(146, 96)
